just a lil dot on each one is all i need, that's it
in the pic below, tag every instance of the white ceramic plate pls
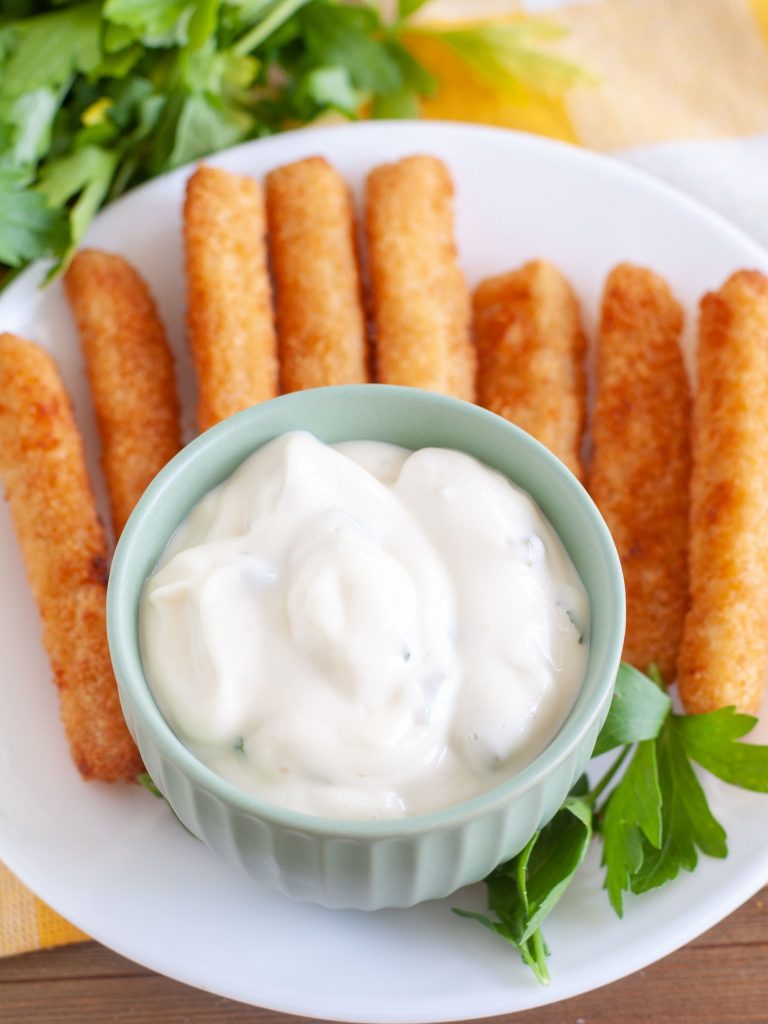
(115, 862)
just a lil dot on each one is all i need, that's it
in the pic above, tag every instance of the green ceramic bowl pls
(367, 864)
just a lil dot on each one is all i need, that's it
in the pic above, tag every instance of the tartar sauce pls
(361, 631)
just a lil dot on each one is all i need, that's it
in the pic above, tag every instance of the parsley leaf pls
(29, 228)
(637, 712)
(202, 24)
(687, 822)
(78, 182)
(154, 22)
(145, 779)
(275, 16)
(96, 97)
(633, 811)
(549, 862)
(710, 740)
(416, 81)
(29, 119)
(203, 126)
(45, 50)
(523, 892)
(336, 34)
(654, 822)
(329, 87)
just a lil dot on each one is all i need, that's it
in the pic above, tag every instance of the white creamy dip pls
(361, 631)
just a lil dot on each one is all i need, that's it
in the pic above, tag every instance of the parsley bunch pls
(653, 822)
(96, 97)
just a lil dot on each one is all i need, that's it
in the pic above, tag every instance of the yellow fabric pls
(687, 69)
(464, 95)
(760, 9)
(664, 70)
(26, 923)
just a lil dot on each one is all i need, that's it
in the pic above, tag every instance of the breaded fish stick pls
(530, 356)
(231, 327)
(131, 373)
(63, 545)
(320, 316)
(640, 471)
(725, 642)
(421, 305)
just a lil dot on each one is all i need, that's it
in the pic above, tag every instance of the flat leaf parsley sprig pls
(653, 821)
(96, 97)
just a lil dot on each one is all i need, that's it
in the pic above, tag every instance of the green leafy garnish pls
(710, 740)
(525, 890)
(337, 35)
(632, 816)
(78, 185)
(638, 711)
(574, 623)
(28, 225)
(96, 97)
(145, 779)
(509, 56)
(47, 49)
(687, 822)
(654, 819)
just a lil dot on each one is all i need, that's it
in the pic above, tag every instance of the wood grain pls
(721, 978)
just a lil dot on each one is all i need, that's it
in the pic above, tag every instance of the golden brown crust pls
(318, 296)
(421, 305)
(640, 471)
(131, 373)
(64, 549)
(530, 356)
(725, 641)
(231, 327)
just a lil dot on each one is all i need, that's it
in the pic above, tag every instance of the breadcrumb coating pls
(724, 653)
(131, 373)
(421, 306)
(65, 553)
(320, 317)
(530, 356)
(230, 319)
(640, 471)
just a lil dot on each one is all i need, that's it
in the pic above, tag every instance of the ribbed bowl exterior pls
(365, 873)
(366, 865)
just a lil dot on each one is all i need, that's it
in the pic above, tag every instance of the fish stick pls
(724, 653)
(640, 472)
(230, 320)
(530, 356)
(131, 373)
(318, 296)
(65, 552)
(421, 306)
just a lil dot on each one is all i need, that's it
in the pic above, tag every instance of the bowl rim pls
(133, 687)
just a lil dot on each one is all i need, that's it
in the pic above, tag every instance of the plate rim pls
(737, 892)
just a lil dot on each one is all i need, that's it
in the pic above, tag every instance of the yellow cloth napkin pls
(690, 69)
(26, 923)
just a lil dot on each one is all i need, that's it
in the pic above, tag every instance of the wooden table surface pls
(721, 978)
